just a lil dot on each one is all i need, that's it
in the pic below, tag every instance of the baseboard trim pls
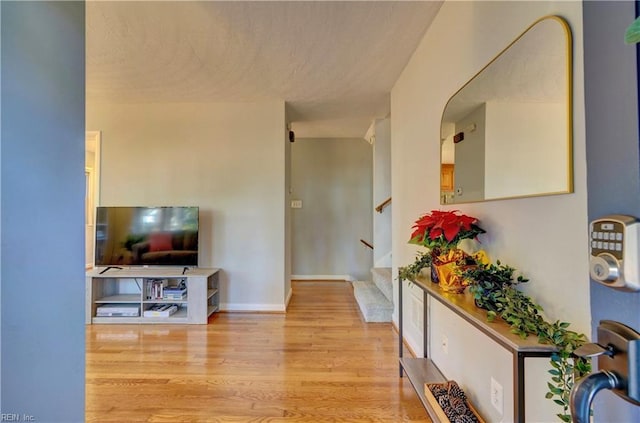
(323, 278)
(404, 340)
(288, 300)
(253, 308)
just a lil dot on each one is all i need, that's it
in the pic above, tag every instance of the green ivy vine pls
(410, 272)
(494, 288)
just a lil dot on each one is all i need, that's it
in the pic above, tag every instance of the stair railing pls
(366, 244)
(383, 205)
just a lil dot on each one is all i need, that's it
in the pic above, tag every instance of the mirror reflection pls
(507, 132)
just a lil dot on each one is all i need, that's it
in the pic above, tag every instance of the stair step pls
(374, 306)
(382, 279)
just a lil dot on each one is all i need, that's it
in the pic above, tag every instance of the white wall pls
(544, 237)
(332, 177)
(382, 191)
(448, 150)
(287, 215)
(228, 159)
(521, 140)
(469, 157)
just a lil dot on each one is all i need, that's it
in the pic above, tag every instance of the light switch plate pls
(296, 204)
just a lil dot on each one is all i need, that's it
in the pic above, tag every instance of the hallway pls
(318, 363)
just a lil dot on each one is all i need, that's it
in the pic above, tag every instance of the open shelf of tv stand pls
(127, 287)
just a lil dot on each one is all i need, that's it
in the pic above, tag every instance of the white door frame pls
(92, 171)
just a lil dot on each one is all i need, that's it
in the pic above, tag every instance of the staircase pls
(375, 298)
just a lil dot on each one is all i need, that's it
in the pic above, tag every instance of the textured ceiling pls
(334, 63)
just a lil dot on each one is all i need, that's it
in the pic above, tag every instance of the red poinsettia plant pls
(443, 230)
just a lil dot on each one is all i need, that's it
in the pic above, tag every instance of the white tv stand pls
(126, 287)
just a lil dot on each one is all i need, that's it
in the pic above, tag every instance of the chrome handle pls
(619, 365)
(593, 350)
(586, 389)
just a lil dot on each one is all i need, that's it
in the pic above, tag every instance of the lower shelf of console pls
(420, 371)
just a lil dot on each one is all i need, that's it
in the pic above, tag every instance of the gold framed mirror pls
(507, 133)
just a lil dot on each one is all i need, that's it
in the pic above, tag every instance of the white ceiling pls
(334, 63)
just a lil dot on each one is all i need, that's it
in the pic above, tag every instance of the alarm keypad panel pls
(614, 246)
(607, 237)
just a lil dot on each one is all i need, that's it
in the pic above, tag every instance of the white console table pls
(126, 287)
(423, 370)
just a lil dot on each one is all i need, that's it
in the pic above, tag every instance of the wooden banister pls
(382, 205)
(366, 243)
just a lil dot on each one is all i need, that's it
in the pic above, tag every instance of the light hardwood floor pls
(319, 362)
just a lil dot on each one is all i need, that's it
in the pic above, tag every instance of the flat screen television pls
(146, 236)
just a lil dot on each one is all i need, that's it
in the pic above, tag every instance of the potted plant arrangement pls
(487, 281)
(494, 289)
(441, 232)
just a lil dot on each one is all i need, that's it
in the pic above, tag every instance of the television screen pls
(146, 236)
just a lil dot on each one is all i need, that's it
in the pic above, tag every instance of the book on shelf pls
(174, 290)
(174, 293)
(174, 296)
(160, 310)
(154, 288)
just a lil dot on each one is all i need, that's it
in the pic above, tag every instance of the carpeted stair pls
(375, 298)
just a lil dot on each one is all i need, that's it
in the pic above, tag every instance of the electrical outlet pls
(296, 204)
(497, 396)
(417, 316)
(445, 345)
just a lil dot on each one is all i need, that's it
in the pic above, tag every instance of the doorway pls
(92, 191)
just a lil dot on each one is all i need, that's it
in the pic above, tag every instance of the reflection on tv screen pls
(146, 236)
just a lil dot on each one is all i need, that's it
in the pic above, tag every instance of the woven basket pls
(442, 417)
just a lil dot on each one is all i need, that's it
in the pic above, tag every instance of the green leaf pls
(559, 402)
(632, 35)
(556, 391)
